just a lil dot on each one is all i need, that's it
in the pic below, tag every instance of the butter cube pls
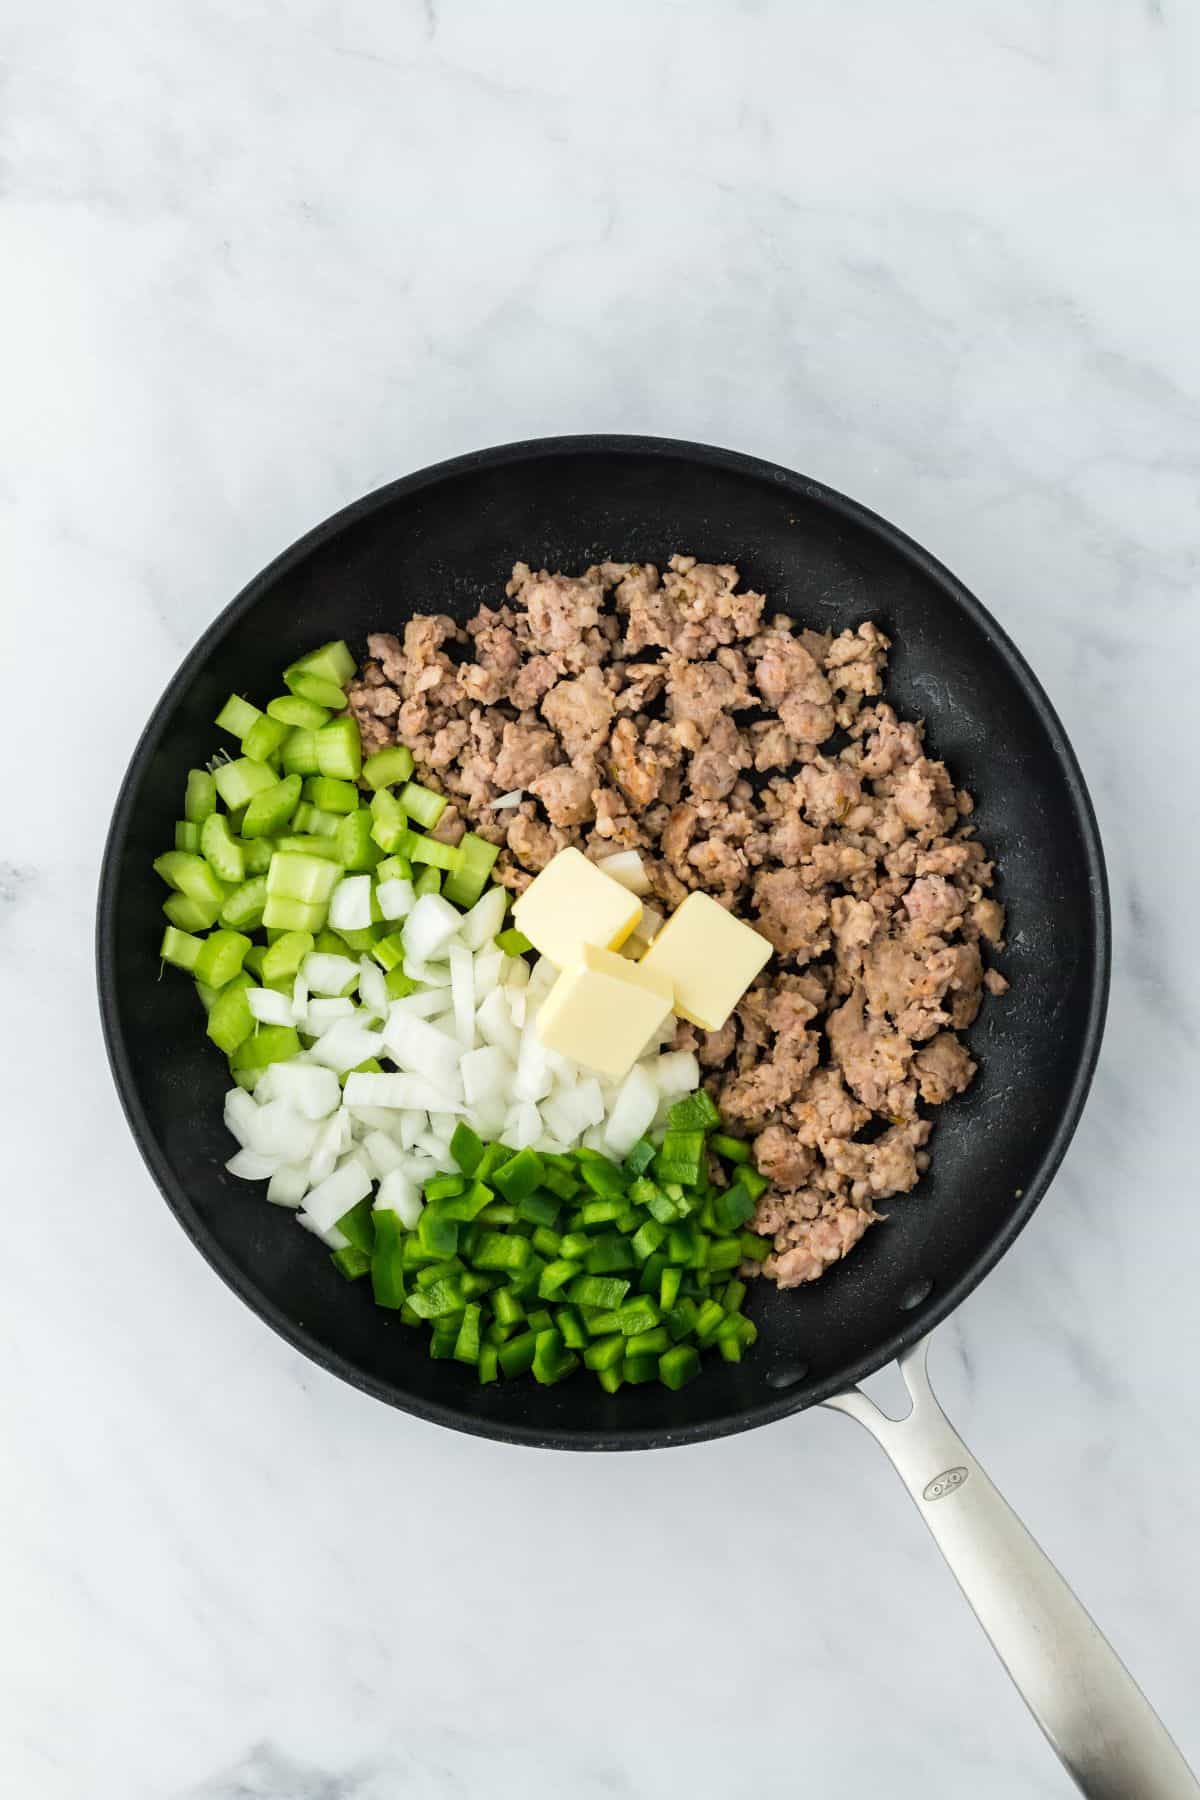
(572, 903)
(709, 957)
(603, 1010)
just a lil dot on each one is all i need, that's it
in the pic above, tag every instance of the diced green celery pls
(208, 996)
(328, 943)
(355, 849)
(331, 795)
(191, 875)
(270, 1043)
(392, 868)
(271, 808)
(222, 851)
(387, 767)
(431, 852)
(339, 747)
(191, 915)
(299, 752)
(230, 1021)
(264, 739)
(180, 948)
(290, 710)
(389, 822)
(237, 716)
(187, 836)
(325, 848)
(330, 662)
(466, 883)
(239, 781)
(358, 941)
(200, 796)
(254, 959)
(314, 688)
(422, 804)
(294, 876)
(389, 953)
(399, 985)
(221, 957)
(282, 914)
(513, 942)
(429, 881)
(311, 819)
(244, 908)
(258, 853)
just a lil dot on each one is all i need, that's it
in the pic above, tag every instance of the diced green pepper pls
(351, 1262)
(696, 1112)
(516, 1357)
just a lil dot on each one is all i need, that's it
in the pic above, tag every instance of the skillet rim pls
(784, 1401)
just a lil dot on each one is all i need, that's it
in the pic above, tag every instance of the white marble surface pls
(259, 258)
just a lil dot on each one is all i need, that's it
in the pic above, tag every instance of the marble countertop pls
(259, 259)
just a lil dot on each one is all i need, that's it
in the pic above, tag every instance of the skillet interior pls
(444, 540)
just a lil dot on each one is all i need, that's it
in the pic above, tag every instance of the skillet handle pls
(1096, 1717)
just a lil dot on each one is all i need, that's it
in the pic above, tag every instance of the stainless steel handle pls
(1095, 1715)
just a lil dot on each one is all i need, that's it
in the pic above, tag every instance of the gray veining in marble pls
(258, 259)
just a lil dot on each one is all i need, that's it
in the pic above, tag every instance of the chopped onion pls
(627, 868)
(496, 1025)
(349, 1183)
(485, 919)
(632, 1113)
(241, 1112)
(488, 967)
(372, 987)
(382, 1152)
(287, 1186)
(321, 1015)
(676, 1074)
(513, 798)
(396, 898)
(269, 1007)
(333, 1239)
(327, 974)
(484, 1073)
(430, 926)
(280, 1131)
(345, 1045)
(418, 1046)
(462, 987)
(350, 904)
(419, 1006)
(249, 1165)
(398, 1193)
(314, 1092)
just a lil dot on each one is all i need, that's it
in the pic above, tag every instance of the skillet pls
(444, 540)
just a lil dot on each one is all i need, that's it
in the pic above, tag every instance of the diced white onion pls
(280, 1131)
(333, 1238)
(488, 967)
(345, 1045)
(372, 987)
(632, 1113)
(315, 1092)
(485, 919)
(462, 987)
(514, 797)
(396, 898)
(417, 1045)
(398, 1193)
(484, 1073)
(241, 1112)
(269, 1007)
(423, 1005)
(382, 1152)
(627, 868)
(350, 904)
(349, 1183)
(248, 1165)
(430, 926)
(320, 1015)
(495, 1021)
(287, 1186)
(329, 974)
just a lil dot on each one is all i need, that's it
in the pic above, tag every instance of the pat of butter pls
(573, 903)
(709, 957)
(603, 1010)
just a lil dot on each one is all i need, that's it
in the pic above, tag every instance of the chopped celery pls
(222, 851)
(271, 808)
(258, 853)
(187, 835)
(299, 877)
(326, 848)
(191, 915)
(239, 781)
(386, 767)
(339, 749)
(270, 1043)
(389, 821)
(467, 882)
(200, 797)
(311, 819)
(513, 942)
(244, 907)
(283, 957)
(331, 795)
(399, 985)
(283, 914)
(329, 662)
(299, 753)
(237, 716)
(431, 851)
(422, 804)
(355, 849)
(264, 739)
(191, 875)
(230, 1021)
(221, 957)
(312, 687)
(393, 868)
(389, 952)
(292, 711)
(429, 881)
(180, 948)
